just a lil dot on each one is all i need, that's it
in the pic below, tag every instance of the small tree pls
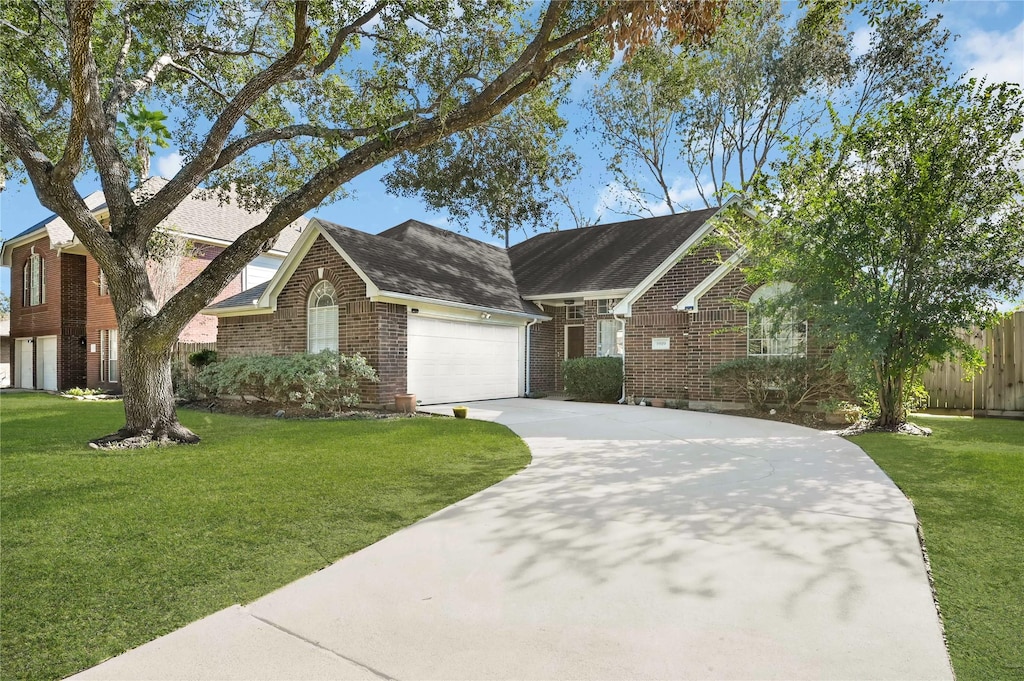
(901, 231)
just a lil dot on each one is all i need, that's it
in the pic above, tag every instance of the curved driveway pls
(640, 544)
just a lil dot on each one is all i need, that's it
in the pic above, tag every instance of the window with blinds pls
(322, 319)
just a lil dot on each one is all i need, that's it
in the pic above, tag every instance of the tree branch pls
(189, 177)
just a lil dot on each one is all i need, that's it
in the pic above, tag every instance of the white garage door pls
(46, 358)
(460, 361)
(23, 363)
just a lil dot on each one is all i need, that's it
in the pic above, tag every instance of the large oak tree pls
(285, 102)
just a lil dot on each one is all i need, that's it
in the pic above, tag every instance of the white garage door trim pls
(46, 362)
(23, 363)
(462, 361)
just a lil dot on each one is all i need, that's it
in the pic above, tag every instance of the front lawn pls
(967, 485)
(103, 551)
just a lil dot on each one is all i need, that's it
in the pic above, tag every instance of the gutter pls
(620, 320)
(462, 306)
(532, 322)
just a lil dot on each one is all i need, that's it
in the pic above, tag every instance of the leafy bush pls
(185, 384)
(83, 392)
(202, 358)
(327, 381)
(593, 379)
(788, 382)
(916, 398)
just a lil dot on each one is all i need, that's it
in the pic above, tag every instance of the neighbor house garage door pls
(460, 361)
(46, 358)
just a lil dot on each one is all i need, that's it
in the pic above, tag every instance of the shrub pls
(202, 358)
(83, 392)
(593, 379)
(788, 382)
(184, 383)
(327, 381)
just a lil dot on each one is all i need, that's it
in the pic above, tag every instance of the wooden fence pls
(183, 350)
(999, 389)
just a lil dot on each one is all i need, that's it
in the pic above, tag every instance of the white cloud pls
(862, 40)
(616, 198)
(997, 56)
(169, 165)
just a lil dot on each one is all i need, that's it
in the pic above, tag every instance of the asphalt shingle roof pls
(418, 259)
(603, 257)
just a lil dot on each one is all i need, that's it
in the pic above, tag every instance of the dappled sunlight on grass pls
(103, 551)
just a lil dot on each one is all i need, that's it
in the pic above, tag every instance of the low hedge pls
(787, 382)
(327, 381)
(593, 379)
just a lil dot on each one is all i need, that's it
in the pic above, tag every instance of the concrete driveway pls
(641, 543)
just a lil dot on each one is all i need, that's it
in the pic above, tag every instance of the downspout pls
(620, 320)
(532, 322)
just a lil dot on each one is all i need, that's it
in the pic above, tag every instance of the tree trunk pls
(150, 416)
(890, 399)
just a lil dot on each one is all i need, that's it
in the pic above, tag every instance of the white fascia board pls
(625, 306)
(269, 298)
(689, 301)
(237, 311)
(298, 252)
(583, 295)
(406, 298)
(7, 255)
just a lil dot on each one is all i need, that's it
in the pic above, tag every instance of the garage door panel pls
(461, 361)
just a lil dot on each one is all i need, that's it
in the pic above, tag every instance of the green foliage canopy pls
(901, 231)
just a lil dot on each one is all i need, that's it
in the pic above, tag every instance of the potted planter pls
(405, 403)
(460, 412)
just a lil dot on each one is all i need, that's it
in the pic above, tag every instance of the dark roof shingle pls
(418, 259)
(603, 257)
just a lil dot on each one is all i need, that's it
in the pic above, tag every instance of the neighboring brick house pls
(449, 318)
(63, 327)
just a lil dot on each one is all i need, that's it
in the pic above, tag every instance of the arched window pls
(34, 281)
(777, 332)
(322, 319)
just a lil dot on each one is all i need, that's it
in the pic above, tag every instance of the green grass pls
(103, 551)
(967, 485)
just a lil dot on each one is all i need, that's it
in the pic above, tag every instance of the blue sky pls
(990, 43)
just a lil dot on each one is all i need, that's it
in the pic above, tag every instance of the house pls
(449, 318)
(63, 326)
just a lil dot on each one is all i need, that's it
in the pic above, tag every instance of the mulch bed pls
(258, 409)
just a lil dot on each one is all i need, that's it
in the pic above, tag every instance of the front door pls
(573, 342)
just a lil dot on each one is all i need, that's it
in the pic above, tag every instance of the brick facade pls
(76, 311)
(377, 330)
(61, 315)
(697, 341)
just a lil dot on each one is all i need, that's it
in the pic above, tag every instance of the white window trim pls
(618, 336)
(321, 319)
(110, 368)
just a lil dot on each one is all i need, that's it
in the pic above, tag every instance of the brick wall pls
(698, 341)
(376, 330)
(71, 349)
(99, 315)
(545, 353)
(203, 328)
(62, 315)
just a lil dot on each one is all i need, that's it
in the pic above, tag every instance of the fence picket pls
(999, 389)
